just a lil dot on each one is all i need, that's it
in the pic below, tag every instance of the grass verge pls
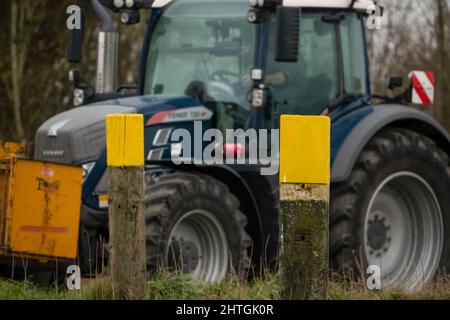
(164, 287)
(175, 287)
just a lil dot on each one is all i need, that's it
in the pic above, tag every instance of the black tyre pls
(44, 278)
(393, 210)
(47, 276)
(194, 225)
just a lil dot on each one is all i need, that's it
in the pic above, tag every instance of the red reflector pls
(423, 84)
(234, 149)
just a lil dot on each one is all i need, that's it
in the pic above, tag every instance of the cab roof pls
(359, 5)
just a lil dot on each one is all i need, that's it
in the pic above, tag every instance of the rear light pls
(235, 150)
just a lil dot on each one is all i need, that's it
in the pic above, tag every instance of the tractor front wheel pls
(194, 226)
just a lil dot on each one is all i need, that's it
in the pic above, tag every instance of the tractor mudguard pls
(237, 184)
(384, 116)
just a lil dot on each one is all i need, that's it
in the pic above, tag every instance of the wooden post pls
(125, 157)
(304, 194)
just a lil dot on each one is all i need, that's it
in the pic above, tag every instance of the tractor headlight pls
(119, 3)
(257, 74)
(78, 97)
(162, 137)
(130, 17)
(267, 4)
(258, 98)
(253, 16)
(87, 168)
(156, 154)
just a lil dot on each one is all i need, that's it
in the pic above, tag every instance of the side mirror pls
(75, 41)
(395, 82)
(288, 34)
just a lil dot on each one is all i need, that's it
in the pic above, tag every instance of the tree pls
(33, 69)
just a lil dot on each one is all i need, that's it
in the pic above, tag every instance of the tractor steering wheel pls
(224, 75)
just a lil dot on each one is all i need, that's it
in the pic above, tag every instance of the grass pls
(439, 290)
(175, 287)
(164, 287)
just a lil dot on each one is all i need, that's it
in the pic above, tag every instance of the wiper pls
(339, 102)
(334, 17)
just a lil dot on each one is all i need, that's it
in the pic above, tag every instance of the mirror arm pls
(103, 15)
(402, 98)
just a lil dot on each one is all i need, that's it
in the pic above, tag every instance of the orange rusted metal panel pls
(44, 213)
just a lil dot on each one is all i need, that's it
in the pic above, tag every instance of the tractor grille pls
(76, 136)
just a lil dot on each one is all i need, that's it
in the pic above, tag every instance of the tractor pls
(234, 64)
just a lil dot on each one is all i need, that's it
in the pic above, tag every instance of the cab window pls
(352, 37)
(309, 84)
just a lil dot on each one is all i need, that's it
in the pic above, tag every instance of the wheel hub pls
(403, 231)
(184, 255)
(378, 234)
(198, 247)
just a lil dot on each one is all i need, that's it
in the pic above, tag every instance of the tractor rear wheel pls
(194, 226)
(392, 212)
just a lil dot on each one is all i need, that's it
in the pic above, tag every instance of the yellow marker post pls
(125, 158)
(304, 194)
(125, 140)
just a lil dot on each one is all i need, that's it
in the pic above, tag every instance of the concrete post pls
(304, 194)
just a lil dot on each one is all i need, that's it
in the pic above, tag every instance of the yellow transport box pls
(39, 208)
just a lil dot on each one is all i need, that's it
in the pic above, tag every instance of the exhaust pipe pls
(108, 46)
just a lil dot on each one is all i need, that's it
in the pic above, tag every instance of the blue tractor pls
(227, 65)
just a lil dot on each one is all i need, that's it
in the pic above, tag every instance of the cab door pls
(331, 63)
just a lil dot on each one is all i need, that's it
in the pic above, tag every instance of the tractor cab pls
(251, 65)
(247, 64)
